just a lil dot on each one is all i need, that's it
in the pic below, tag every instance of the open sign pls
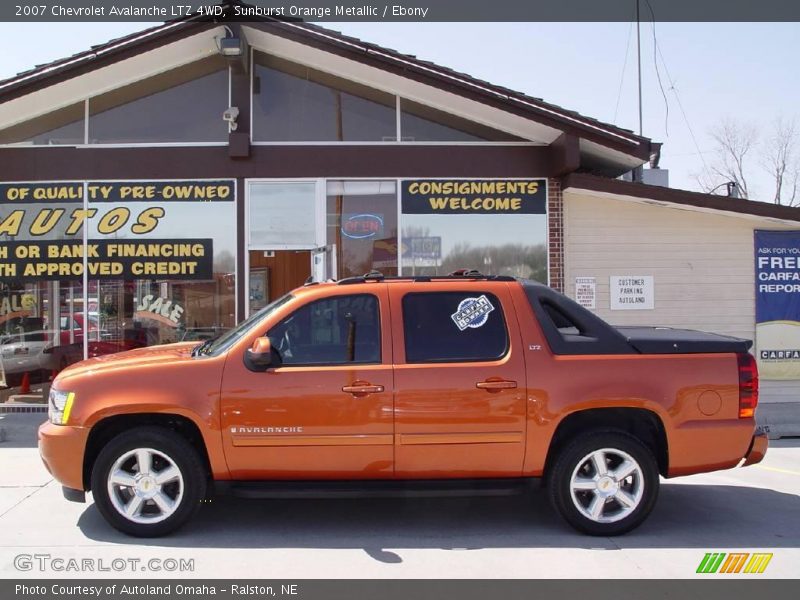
(362, 226)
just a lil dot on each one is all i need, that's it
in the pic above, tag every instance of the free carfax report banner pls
(778, 304)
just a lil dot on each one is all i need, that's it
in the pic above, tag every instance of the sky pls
(710, 71)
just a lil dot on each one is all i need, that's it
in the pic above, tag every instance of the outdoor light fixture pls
(230, 46)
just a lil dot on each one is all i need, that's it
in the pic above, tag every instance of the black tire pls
(575, 458)
(166, 446)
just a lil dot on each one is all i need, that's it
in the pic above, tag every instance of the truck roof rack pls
(459, 275)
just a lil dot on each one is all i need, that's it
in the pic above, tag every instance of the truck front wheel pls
(148, 482)
(604, 483)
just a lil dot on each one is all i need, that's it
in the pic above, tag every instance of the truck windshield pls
(226, 340)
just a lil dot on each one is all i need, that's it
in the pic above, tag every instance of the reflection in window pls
(58, 128)
(500, 244)
(343, 329)
(180, 105)
(419, 123)
(295, 103)
(362, 226)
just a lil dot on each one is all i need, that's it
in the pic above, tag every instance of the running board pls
(417, 488)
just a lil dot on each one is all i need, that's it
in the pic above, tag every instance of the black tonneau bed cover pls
(665, 340)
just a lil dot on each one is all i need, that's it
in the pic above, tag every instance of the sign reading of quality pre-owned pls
(777, 258)
(632, 292)
(469, 196)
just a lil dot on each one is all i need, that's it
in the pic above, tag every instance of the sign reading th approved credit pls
(472, 196)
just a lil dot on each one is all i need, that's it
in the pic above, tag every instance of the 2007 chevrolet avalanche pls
(427, 384)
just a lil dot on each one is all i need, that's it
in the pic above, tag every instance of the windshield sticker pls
(472, 313)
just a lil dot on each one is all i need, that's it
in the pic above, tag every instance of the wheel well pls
(108, 428)
(641, 423)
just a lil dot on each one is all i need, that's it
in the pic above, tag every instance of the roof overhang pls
(679, 199)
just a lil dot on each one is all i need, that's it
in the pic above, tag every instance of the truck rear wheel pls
(148, 482)
(604, 483)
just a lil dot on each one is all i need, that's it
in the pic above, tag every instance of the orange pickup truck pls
(424, 385)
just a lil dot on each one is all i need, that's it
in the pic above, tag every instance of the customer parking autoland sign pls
(778, 304)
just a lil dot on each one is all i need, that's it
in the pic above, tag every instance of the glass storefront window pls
(362, 226)
(420, 123)
(161, 264)
(58, 128)
(180, 105)
(498, 227)
(283, 215)
(176, 253)
(294, 103)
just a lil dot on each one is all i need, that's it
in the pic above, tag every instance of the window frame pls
(378, 361)
(445, 361)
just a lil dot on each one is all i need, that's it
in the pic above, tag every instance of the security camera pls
(229, 116)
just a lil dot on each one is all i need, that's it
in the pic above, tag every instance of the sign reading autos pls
(474, 196)
(778, 304)
(136, 229)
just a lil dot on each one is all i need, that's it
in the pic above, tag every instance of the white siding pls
(701, 261)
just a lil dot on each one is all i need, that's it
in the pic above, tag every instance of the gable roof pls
(625, 148)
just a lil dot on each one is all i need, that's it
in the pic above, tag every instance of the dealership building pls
(164, 185)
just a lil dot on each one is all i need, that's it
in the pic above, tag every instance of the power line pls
(674, 90)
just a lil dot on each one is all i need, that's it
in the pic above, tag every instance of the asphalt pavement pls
(753, 509)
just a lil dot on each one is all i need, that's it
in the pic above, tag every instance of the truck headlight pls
(60, 405)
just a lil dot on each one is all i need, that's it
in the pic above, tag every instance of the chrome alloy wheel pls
(145, 485)
(607, 485)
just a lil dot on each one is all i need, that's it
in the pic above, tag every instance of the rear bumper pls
(758, 448)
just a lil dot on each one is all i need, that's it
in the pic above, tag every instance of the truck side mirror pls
(259, 356)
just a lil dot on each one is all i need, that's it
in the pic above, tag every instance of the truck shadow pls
(686, 515)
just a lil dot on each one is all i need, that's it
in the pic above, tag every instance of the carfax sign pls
(777, 257)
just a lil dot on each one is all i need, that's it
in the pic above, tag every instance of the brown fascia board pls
(593, 183)
(351, 48)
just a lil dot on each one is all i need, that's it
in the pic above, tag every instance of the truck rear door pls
(459, 381)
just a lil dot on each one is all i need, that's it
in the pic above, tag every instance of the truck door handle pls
(495, 385)
(362, 389)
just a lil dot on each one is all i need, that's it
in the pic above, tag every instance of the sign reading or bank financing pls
(586, 291)
(41, 229)
(777, 257)
(632, 292)
(474, 196)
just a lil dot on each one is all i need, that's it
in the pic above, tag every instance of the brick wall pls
(555, 214)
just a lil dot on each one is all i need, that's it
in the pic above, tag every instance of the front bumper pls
(758, 448)
(61, 448)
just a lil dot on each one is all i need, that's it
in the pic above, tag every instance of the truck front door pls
(325, 410)
(460, 382)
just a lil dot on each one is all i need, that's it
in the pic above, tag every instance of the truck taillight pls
(748, 385)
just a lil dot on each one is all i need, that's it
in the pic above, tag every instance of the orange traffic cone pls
(25, 386)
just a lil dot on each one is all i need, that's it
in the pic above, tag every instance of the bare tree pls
(739, 156)
(734, 141)
(780, 159)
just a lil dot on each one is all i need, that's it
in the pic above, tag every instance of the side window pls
(453, 327)
(333, 331)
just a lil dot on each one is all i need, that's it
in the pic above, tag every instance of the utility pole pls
(639, 58)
